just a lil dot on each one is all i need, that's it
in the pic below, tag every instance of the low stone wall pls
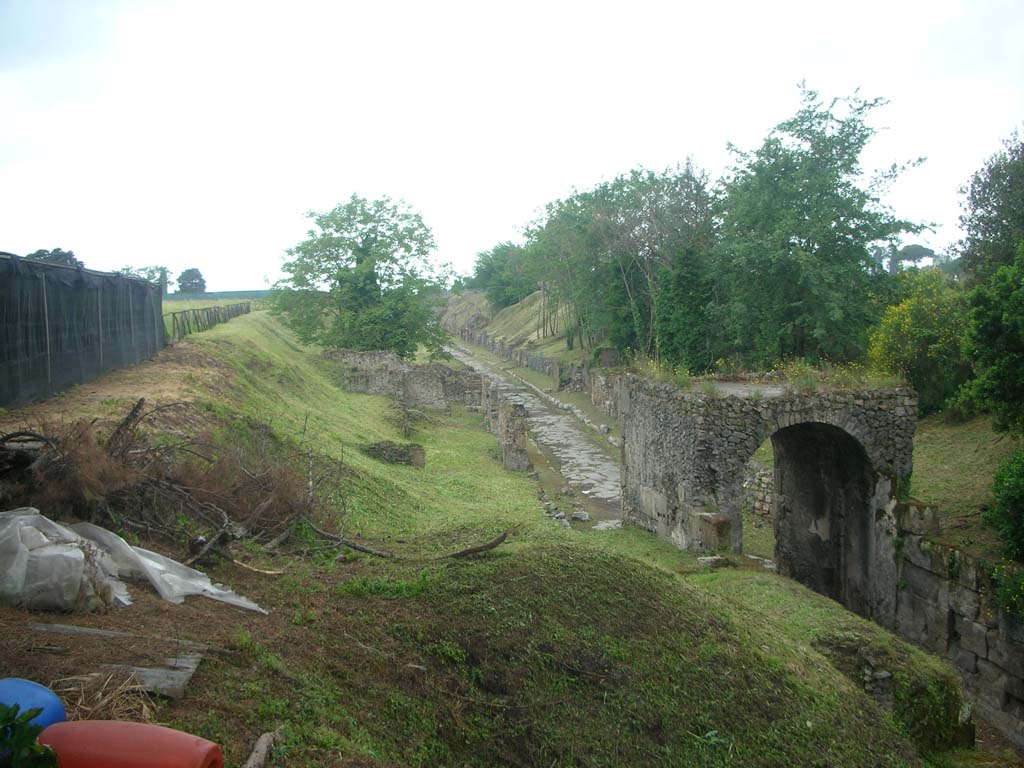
(566, 375)
(433, 386)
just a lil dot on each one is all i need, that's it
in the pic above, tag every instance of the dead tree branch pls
(261, 750)
(343, 541)
(495, 542)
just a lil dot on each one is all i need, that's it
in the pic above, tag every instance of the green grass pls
(954, 463)
(558, 648)
(925, 688)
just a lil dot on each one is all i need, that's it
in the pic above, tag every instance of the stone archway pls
(844, 458)
(824, 512)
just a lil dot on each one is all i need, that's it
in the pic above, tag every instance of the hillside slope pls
(557, 648)
(517, 325)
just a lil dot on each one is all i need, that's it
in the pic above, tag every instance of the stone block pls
(917, 551)
(921, 582)
(1015, 687)
(965, 602)
(972, 636)
(990, 684)
(917, 519)
(1005, 653)
(965, 661)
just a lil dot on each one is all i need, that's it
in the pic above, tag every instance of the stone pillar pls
(489, 396)
(512, 435)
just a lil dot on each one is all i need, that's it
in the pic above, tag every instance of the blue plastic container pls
(28, 695)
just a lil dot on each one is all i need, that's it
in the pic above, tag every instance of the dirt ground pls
(172, 375)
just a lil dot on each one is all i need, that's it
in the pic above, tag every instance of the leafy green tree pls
(504, 274)
(1007, 514)
(993, 215)
(191, 281)
(922, 337)
(601, 254)
(363, 280)
(794, 261)
(56, 256)
(685, 327)
(156, 275)
(995, 345)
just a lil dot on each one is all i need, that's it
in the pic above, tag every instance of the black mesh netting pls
(61, 326)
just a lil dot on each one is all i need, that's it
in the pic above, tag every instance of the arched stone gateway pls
(841, 459)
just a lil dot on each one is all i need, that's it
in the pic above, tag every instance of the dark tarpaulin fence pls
(61, 326)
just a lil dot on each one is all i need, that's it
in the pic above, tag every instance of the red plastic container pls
(114, 744)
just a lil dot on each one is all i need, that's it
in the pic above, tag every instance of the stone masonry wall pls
(684, 462)
(944, 605)
(684, 453)
(433, 386)
(567, 375)
(758, 489)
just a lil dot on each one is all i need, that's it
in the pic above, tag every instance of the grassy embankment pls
(558, 648)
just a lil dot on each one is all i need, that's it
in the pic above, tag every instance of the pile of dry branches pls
(184, 492)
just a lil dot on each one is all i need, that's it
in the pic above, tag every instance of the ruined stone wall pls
(604, 389)
(944, 604)
(432, 386)
(512, 435)
(840, 459)
(566, 375)
(373, 373)
(684, 453)
(758, 494)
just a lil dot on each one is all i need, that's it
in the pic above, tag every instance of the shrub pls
(1007, 514)
(1008, 580)
(18, 740)
(995, 345)
(921, 338)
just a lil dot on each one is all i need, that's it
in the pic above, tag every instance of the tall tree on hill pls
(363, 280)
(993, 213)
(604, 253)
(797, 225)
(56, 256)
(504, 274)
(191, 281)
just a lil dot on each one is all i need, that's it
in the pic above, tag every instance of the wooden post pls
(46, 326)
(99, 319)
(131, 319)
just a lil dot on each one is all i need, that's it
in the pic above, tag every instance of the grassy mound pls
(539, 654)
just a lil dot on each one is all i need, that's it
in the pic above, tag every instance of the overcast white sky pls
(197, 134)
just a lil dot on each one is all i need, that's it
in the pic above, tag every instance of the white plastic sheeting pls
(48, 566)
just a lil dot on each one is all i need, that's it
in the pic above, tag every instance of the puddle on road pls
(568, 446)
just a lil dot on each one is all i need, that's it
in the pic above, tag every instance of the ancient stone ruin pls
(433, 386)
(412, 454)
(841, 459)
(512, 435)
